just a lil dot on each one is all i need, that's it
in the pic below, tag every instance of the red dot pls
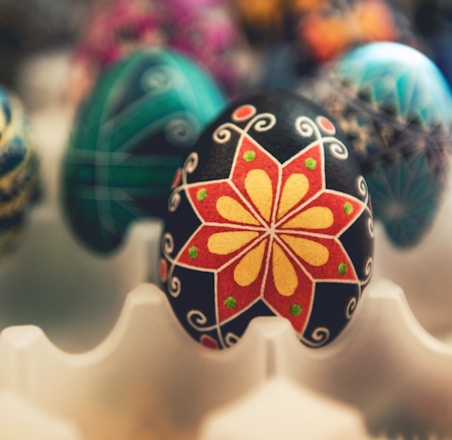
(208, 342)
(326, 124)
(244, 112)
(163, 270)
(177, 178)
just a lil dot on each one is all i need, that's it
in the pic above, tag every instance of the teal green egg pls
(401, 81)
(129, 137)
(395, 107)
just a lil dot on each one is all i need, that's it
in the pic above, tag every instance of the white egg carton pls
(133, 372)
(90, 349)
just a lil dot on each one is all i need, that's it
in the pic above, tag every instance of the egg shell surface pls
(269, 216)
(19, 170)
(395, 107)
(130, 136)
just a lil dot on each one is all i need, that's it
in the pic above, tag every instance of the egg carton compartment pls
(106, 358)
(136, 374)
(21, 420)
(52, 281)
(424, 271)
(384, 376)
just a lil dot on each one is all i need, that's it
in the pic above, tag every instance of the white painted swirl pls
(306, 127)
(338, 150)
(174, 201)
(319, 336)
(190, 165)
(174, 285)
(231, 339)
(262, 122)
(197, 320)
(191, 162)
(158, 80)
(368, 266)
(351, 307)
(223, 133)
(361, 186)
(181, 132)
(167, 244)
(370, 227)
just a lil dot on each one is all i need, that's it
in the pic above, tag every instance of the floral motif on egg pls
(270, 231)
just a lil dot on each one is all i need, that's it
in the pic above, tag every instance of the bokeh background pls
(284, 38)
(52, 52)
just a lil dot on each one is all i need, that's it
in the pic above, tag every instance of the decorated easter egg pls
(129, 138)
(396, 109)
(19, 182)
(269, 216)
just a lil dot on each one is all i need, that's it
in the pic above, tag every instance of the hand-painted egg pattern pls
(396, 109)
(19, 182)
(268, 217)
(129, 138)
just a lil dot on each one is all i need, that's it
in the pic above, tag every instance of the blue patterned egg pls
(19, 170)
(269, 216)
(129, 137)
(395, 107)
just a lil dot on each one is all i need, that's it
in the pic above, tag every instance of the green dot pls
(230, 302)
(249, 155)
(310, 163)
(348, 208)
(193, 252)
(296, 309)
(201, 195)
(342, 268)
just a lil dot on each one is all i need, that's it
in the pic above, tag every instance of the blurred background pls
(283, 39)
(52, 52)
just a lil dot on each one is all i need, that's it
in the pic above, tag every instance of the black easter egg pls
(269, 216)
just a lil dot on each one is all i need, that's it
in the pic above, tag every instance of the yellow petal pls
(233, 211)
(310, 251)
(259, 187)
(284, 274)
(223, 243)
(294, 190)
(247, 271)
(317, 217)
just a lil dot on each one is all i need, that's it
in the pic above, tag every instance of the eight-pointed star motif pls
(269, 232)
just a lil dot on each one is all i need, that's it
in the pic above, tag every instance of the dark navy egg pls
(269, 216)
(396, 109)
(130, 136)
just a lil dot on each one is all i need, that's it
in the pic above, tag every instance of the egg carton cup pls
(384, 376)
(53, 281)
(130, 371)
(91, 350)
(21, 420)
(423, 271)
